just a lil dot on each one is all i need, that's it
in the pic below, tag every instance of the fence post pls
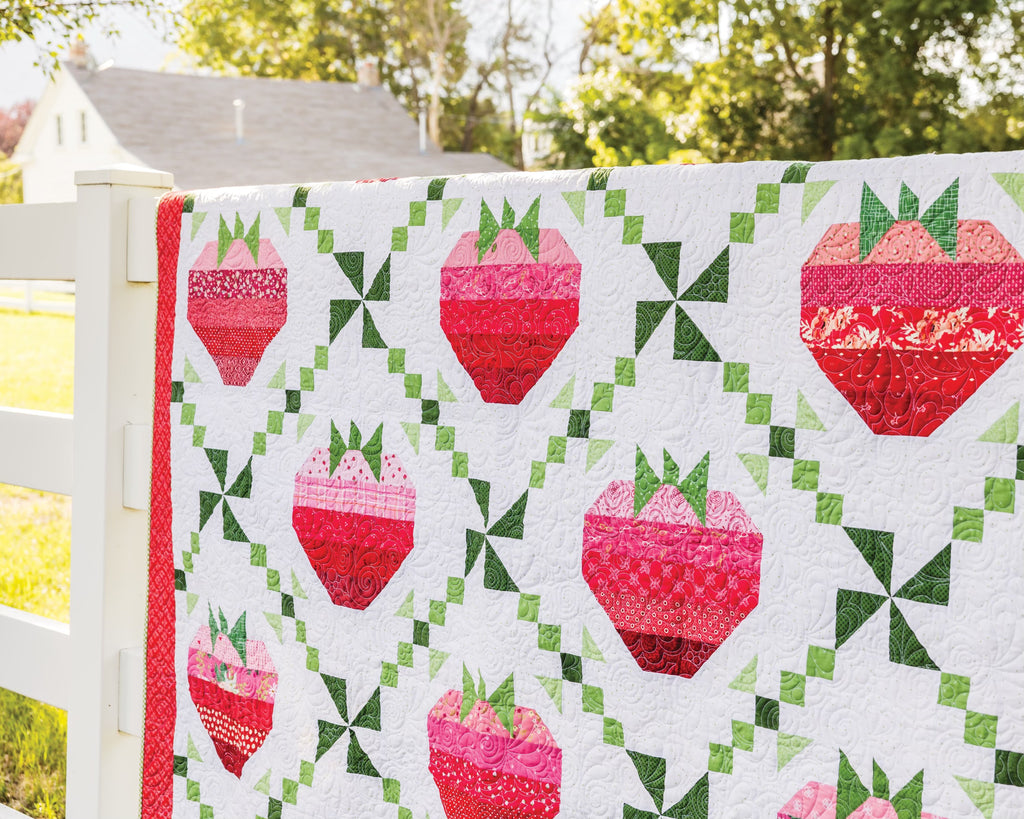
(114, 351)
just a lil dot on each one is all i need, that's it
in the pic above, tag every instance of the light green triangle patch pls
(814, 192)
(982, 794)
(437, 659)
(564, 399)
(1006, 429)
(277, 382)
(275, 623)
(406, 609)
(190, 601)
(263, 786)
(449, 207)
(596, 449)
(757, 466)
(554, 689)
(303, 424)
(197, 222)
(806, 417)
(297, 590)
(444, 392)
(1013, 184)
(577, 202)
(788, 746)
(193, 751)
(590, 649)
(412, 432)
(284, 216)
(747, 678)
(190, 373)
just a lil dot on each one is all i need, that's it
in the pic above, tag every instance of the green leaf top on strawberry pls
(528, 228)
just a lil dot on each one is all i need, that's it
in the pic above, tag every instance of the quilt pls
(676, 491)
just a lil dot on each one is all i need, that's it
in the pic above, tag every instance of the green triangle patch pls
(277, 382)
(788, 746)
(193, 751)
(1003, 431)
(449, 207)
(303, 424)
(596, 449)
(690, 343)
(576, 200)
(757, 466)
(982, 794)
(1013, 184)
(274, 620)
(806, 417)
(747, 678)
(904, 647)
(297, 590)
(437, 659)
(444, 392)
(814, 192)
(407, 609)
(564, 398)
(263, 786)
(197, 222)
(191, 375)
(284, 216)
(590, 649)
(412, 432)
(554, 689)
(665, 257)
(713, 283)
(190, 601)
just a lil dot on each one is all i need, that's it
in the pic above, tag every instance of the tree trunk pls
(828, 86)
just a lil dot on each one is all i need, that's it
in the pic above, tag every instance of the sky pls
(142, 46)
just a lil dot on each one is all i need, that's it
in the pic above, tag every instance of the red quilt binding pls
(158, 742)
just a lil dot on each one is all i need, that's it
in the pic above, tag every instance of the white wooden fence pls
(105, 243)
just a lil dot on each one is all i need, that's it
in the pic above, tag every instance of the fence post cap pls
(131, 175)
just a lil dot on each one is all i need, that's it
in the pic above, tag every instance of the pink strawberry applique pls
(353, 511)
(908, 317)
(232, 682)
(675, 567)
(490, 758)
(852, 800)
(510, 299)
(237, 299)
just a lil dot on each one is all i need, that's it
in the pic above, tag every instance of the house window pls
(60, 129)
(82, 121)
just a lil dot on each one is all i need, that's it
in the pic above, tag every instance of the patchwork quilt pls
(651, 492)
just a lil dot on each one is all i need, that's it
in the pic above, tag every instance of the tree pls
(812, 80)
(12, 123)
(419, 45)
(58, 20)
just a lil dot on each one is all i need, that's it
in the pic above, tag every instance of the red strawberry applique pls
(353, 512)
(233, 683)
(510, 299)
(908, 317)
(675, 567)
(491, 758)
(237, 299)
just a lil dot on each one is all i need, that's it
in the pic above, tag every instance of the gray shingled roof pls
(295, 131)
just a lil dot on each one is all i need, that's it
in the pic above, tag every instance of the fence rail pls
(105, 243)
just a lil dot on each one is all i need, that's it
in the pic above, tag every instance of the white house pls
(221, 131)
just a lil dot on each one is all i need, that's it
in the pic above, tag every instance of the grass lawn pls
(36, 372)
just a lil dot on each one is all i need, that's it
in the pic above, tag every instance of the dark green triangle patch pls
(713, 283)
(690, 344)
